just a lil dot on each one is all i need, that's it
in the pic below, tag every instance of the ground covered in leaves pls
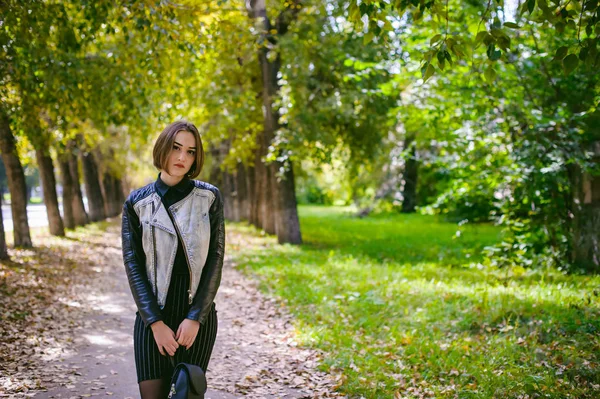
(41, 314)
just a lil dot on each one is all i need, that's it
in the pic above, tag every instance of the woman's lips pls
(179, 166)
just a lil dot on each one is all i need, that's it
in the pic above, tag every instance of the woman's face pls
(182, 155)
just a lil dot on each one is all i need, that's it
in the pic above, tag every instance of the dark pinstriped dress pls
(149, 363)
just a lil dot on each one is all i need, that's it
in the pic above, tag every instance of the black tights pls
(154, 389)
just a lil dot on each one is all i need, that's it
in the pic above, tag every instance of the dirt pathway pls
(255, 354)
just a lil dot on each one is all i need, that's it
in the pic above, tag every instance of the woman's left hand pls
(186, 333)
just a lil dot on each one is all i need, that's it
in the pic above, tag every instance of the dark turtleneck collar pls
(163, 187)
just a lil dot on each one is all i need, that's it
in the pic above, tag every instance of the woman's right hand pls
(164, 337)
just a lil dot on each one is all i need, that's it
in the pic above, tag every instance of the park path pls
(255, 354)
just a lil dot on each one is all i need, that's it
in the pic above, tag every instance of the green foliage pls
(309, 192)
(92, 70)
(402, 308)
(333, 88)
(324, 184)
(574, 21)
(506, 145)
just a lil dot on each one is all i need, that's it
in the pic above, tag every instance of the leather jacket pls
(150, 239)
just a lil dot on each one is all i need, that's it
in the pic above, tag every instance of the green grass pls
(401, 307)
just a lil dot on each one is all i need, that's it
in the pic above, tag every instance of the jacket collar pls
(162, 187)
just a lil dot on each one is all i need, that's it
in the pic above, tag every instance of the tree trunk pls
(3, 248)
(286, 216)
(16, 184)
(46, 167)
(110, 186)
(28, 193)
(242, 202)
(260, 187)
(227, 185)
(105, 180)
(227, 191)
(111, 189)
(79, 213)
(288, 210)
(235, 199)
(252, 208)
(92, 187)
(215, 176)
(411, 168)
(234, 212)
(67, 194)
(114, 196)
(586, 221)
(271, 200)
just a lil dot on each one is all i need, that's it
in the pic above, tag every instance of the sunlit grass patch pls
(401, 306)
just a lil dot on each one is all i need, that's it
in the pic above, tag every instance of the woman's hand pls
(165, 338)
(187, 331)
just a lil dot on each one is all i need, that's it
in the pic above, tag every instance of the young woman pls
(173, 246)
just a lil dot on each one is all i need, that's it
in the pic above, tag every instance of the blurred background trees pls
(477, 111)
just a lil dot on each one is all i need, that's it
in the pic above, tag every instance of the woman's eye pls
(175, 147)
(191, 152)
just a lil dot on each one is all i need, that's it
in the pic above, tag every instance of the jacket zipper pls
(190, 300)
(154, 254)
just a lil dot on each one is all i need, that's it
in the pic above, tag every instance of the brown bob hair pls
(164, 145)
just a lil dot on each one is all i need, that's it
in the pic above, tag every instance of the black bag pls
(188, 382)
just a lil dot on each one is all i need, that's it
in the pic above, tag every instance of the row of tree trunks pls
(255, 192)
(250, 195)
(104, 191)
(275, 208)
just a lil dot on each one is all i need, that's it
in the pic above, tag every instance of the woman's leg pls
(150, 364)
(153, 389)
